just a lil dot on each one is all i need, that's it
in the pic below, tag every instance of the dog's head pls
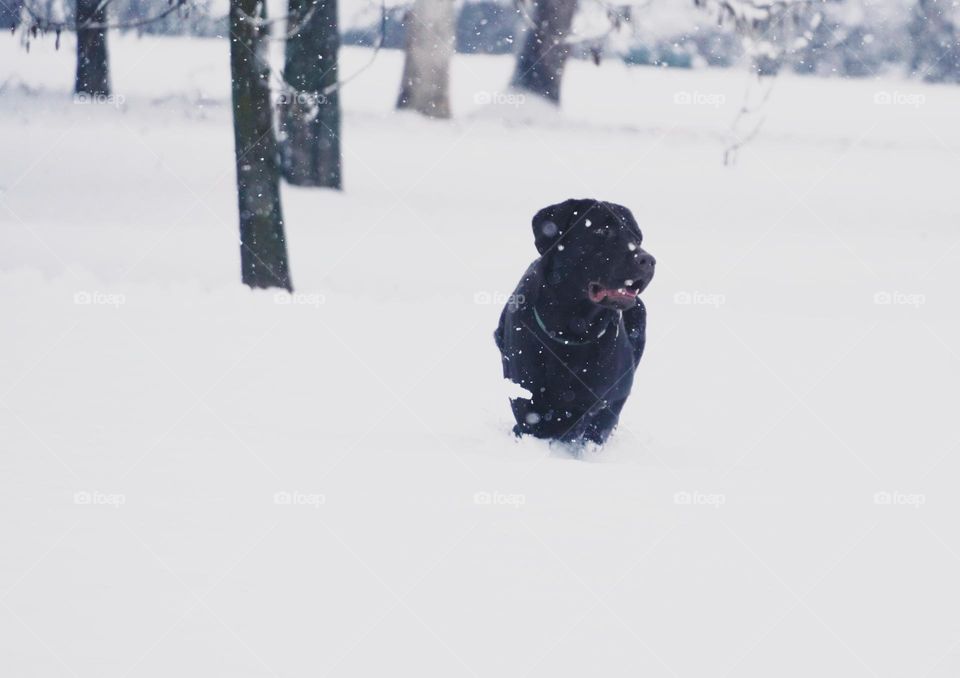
(592, 248)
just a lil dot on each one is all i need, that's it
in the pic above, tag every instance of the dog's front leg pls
(600, 424)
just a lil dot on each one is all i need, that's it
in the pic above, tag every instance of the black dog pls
(573, 332)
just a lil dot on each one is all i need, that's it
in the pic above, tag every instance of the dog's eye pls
(604, 233)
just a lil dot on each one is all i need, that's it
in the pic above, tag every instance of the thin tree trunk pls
(310, 116)
(10, 14)
(93, 75)
(425, 87)
(544, 53)
(263, 248)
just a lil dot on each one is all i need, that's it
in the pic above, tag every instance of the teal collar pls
(561, 340)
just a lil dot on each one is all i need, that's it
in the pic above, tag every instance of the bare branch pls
(43, 24)
(376, 50)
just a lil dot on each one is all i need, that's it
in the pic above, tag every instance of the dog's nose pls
(646, 260)
(643, 274)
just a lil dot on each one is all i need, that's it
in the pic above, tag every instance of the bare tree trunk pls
(10, 14)
(263, 248)
(935, 39)
(429, 48)
(93, 75)
(544, 53)
(310, 116)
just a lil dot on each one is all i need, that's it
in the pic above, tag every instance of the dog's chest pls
(602, 371)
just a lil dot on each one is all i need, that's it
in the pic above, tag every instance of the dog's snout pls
(644, 264)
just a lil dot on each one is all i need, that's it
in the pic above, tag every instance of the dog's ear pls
(625, 217)
(550, 223)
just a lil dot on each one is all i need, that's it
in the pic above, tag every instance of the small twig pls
(759, 24)
(376, 50)
(736, 140)
(731, 151)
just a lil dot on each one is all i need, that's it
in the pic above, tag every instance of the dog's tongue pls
(598, 294)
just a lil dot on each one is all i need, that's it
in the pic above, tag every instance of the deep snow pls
(777, 500)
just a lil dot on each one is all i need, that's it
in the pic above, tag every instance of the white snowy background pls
(779, 500)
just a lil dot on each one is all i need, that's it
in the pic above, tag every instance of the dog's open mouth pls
(617, 297)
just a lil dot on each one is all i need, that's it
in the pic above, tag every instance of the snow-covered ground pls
(778, 501)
